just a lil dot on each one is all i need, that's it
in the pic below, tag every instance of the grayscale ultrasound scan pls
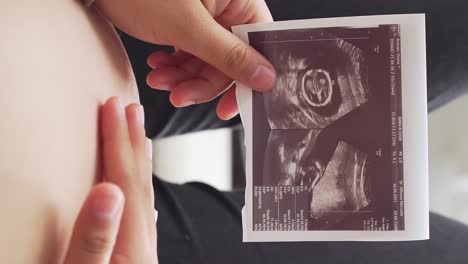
(316, 134)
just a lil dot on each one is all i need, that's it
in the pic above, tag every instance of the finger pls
(220, 48)
(158, 58)
(122, 159)
(136, 121)
(262, 13)
(164, 77)
(227, 106)
(97, 225)
(155, 242)
(216, 7)
(169, 59)
(238, 13)
(116, 147)
(149, 148)
(214, 83)
(205, 87)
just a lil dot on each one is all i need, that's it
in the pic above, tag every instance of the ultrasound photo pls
(318, 82)
(342, 190)
(324, 138)
(290, 159)
(335, 186)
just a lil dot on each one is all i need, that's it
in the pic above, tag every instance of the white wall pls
(448, 159)
(203, 156)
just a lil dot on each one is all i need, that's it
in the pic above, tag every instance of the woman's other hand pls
(117, 221)
(208, 55)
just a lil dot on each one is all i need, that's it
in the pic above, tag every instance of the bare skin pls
(109, 230)
(62, 62)
(209, 56)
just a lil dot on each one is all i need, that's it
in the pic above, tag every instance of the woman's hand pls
(209, 57)
(109, 229)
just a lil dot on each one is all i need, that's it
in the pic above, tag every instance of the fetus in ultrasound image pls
(318, 82)
(324, 138)
(337, 184)
(290, 158)
(344, 188)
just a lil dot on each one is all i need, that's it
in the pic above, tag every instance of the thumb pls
(217, 46)
(96, 228)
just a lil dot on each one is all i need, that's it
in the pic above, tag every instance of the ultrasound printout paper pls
(337, 150)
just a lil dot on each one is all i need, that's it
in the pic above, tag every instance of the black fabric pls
(198, 224)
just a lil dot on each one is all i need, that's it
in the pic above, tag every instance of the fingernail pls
(140, 115)
(107, 207)
(186, 103)
(151, 63)
(229, 116)
(162, 87)
(149, 148)
(262, 78)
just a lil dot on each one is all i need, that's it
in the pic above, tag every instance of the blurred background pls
(448, 159)
(210, 157)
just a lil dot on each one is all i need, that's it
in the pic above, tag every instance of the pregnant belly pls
(60, 61)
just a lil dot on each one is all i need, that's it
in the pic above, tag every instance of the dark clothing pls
(198, 224)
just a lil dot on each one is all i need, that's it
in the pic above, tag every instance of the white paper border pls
(415, 137)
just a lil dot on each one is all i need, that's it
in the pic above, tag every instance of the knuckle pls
(96, 244)
(237, 56)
